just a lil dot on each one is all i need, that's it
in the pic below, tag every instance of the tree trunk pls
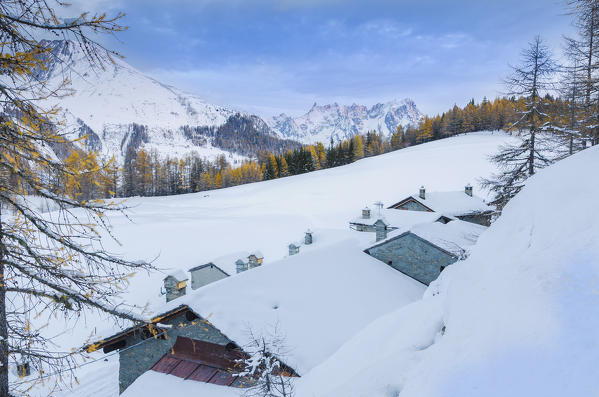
(3, 322)
(533, 122)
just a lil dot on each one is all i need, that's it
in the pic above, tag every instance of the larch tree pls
(571, 124)
(283, 167)
(50, 264)
(583, 52)
(358, 149)
(517, 162)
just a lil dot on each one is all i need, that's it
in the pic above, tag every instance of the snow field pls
(180, 232)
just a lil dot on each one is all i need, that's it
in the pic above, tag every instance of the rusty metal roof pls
(203, 362)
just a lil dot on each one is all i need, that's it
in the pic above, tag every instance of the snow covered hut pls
(422, 251)
(460, 204)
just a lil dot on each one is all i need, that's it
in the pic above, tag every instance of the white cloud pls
(386, 27)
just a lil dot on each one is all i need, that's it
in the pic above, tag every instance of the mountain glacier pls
(337, 122)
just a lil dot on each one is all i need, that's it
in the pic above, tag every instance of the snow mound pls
(519, 317)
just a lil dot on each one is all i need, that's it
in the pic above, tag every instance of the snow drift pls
(518, 317)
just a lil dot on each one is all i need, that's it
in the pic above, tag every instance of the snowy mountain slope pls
(187, 230)
(518, 317)
(108, 104)
(338, 122)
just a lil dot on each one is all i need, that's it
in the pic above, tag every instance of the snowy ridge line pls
(112, 103)
(339, 122)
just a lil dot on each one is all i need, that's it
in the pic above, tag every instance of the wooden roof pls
(105, 343)
(207, 362)
(203, 362)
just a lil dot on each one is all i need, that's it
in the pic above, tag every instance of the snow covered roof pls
(455, 237)
(317, 300)
(227, 262)
(398, 218)
(179, 275)
(451, 203)
(257, 254)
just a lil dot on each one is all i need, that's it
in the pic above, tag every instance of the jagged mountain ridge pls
(337, 122)
(120, 109)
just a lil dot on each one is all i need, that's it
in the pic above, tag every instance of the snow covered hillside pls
(269, 215)
(519, 317)
(338, 122)
(188, 230)
(119, 108)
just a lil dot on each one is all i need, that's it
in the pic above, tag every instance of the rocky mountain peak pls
(333, 121)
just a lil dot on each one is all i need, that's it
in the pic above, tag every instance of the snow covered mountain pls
(338, 122)
(119, 108)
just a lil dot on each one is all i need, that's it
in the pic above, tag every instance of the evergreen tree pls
(283, 167)
(358, 149)
(583, 52)
(570, 119)
(517, 162)
(397, 138)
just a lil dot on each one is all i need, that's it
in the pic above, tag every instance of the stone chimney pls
(366, 213)
(468, 190)
(308, 237)
(241, 265)
(175, 285)
(293, 249)
(255, 259)
(381, 230)
(422, 193)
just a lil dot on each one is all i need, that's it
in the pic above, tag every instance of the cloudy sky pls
(273, 56)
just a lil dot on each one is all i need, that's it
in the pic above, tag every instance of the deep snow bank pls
(519, 317)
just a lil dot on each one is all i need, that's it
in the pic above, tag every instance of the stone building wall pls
(479, 219)
(136, 358)
(413, 256)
